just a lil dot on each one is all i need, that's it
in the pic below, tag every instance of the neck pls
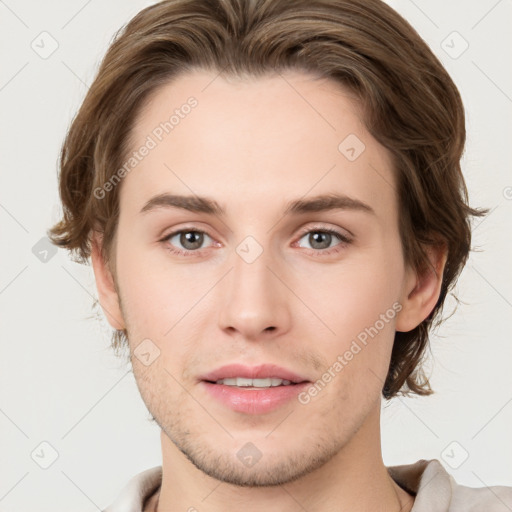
(354, 479)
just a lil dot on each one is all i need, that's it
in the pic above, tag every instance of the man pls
(271, 196)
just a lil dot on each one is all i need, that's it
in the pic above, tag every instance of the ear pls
(421, 291)
(107, 292)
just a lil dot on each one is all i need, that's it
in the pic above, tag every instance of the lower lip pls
(254, 401)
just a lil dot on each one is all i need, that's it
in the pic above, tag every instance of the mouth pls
(264, 375)
(242, 382)
(253, 390)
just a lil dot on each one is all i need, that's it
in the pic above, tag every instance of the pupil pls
(191, 239)
(314, 237)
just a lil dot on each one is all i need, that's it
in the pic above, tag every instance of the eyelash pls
(344, 241)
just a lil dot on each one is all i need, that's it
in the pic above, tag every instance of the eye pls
(320, 240)
(190, 239)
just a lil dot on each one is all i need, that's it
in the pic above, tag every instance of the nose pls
(254, 301)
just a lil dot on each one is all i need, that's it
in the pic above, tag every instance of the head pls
(263, 107)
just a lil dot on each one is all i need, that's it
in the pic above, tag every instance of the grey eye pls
(319, 239)
(189, 240)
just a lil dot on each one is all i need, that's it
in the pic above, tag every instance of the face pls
(313, 289)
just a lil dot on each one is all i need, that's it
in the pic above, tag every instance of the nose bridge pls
(254, 299)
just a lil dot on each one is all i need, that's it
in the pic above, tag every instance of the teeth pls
(257, 383)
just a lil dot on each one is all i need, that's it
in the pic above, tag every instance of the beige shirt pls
(435, 490)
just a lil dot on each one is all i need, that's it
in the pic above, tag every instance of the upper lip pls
(261, 371)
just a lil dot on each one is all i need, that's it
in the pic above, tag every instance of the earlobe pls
(107, 292)
(421, 291)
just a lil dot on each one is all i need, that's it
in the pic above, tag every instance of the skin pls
(254, 145)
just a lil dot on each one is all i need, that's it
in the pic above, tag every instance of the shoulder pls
(436, 489)
(494, 498)
(138, 489)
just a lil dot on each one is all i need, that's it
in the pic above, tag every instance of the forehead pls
(266, 139)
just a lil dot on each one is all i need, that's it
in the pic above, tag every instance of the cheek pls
(355, 305)
(161, 301)
(351, 295)
(338, 301)
(145, 294)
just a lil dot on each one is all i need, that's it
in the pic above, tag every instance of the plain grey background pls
(73, 426)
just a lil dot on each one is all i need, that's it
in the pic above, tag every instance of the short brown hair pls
(410, 104)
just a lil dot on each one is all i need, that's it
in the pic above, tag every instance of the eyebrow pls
(209, 206)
